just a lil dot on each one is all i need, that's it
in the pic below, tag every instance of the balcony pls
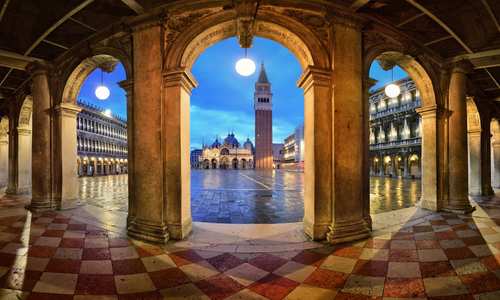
(396, 109)
(417, 141)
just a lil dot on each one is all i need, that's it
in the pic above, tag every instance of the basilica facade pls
(227, 155)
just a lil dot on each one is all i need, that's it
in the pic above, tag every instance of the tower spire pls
(262, 74)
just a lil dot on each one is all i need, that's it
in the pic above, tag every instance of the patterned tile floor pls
(54, 255)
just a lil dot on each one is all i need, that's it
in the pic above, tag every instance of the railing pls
(397, 144)
(396, 109)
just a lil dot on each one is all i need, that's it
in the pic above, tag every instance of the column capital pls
(38, 68)
(127, 85)
(431, 111)
(180, 77)
(23, 131)
(462, 66)
(345, 19)
(315, 76)
(67, 109)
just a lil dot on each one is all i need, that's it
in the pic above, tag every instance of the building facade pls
(226, 155)
(101, 142)
(395, 138)
(293, 149)
(263, 105)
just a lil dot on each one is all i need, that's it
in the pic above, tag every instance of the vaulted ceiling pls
(453, 29)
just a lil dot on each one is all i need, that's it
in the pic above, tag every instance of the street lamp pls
(392, 90)
(102, 92)
(245, 66)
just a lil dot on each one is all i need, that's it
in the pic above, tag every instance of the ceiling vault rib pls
(51, 28)
(83, 24)
(493, 78)
(444, 38)
(411, 19)
(491, 13)
(134, 5)
(4, 8)
(55, 44)
(441, 23)
(357, 4)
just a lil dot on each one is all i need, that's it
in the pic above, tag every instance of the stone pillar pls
(474, 151)
(42, 175)
(178, 85)
(128, 86)
(4, 157)
(348, 109)
(486, 189)
(406, 173)
(430, 198)
(369, 164)
(495, 149)
(24, 160)
(66, 156)
(148, 221)
(13, 158)
(316, 84)
(458, 200)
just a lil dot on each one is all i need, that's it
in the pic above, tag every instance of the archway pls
(428, 109)
(4, 151)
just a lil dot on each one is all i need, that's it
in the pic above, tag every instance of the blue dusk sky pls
(223, 101)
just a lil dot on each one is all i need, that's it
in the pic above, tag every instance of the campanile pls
(263, 106)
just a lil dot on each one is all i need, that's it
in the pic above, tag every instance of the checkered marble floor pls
(55, 256)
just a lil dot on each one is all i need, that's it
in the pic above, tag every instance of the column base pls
(40, 205)
(488, 191)
(341, 232)
(69, 204)
(316, 232)
(369, 223)
(147, 231)
(428, 205)
(17, 191)
(180, 231)
(462, 210)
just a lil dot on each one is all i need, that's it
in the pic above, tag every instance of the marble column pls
(42, 175)
(486, 188)
(4, 157)
(348, 113)
(128, 86)
(474, 151)
(149, 220)
(316, 84)
(430, 116)
(458, 200)
(65, 156)
(495, 149)
(177, 184)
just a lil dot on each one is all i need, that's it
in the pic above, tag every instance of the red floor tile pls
(402, 236)
(7, 259)
(308, 257)
(459, 253)
(474, 240)
(149, 251)
(64, 266)
(168, 278)
(422, 228)
(96, 254)
(428, 244)
(95, 285)
(115, 242)
(225, 262)
(446, 235)
(351, 252)
(61, 220)
(219, 287)
(267, 262)
(371, 268)
(185, 257)
(491, 262)
(377, 244)
(53, 233)
(40, 296)
(142, 296)
(481, 282)
(327, 279)
(41, 251)
(436, 269)
(128, 266)
(72, 243)
(403, 255)
(78, 227)
(273, 287)
(347, 296)
(404, 287)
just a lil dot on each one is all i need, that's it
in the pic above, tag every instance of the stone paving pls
(55, 255)
(247, 196)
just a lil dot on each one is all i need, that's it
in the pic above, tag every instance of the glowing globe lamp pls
(102, 92)
(245, 67)
(392, 90)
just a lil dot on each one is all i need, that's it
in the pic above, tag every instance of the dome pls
(216, 143)
(248, 144)
(231, 140)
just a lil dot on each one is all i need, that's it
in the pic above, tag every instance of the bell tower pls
(263, 106)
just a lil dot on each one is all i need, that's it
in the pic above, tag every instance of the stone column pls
(65, 162)
(42, 175)
(430, 198)
(128, 86)
(149, 220)
(348, 220)
(458, 200)
(178, 85)
(495, 149)
(369, 167)
(13, 158)
(24, 160)
(316, 84)
(406, 173)
(486, 189)
(474, 152)
(4, 157)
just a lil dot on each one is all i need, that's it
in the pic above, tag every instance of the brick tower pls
(263, 106)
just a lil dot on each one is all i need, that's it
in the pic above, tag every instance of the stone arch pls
(474, 140)
(4, 150)
(299, 39)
